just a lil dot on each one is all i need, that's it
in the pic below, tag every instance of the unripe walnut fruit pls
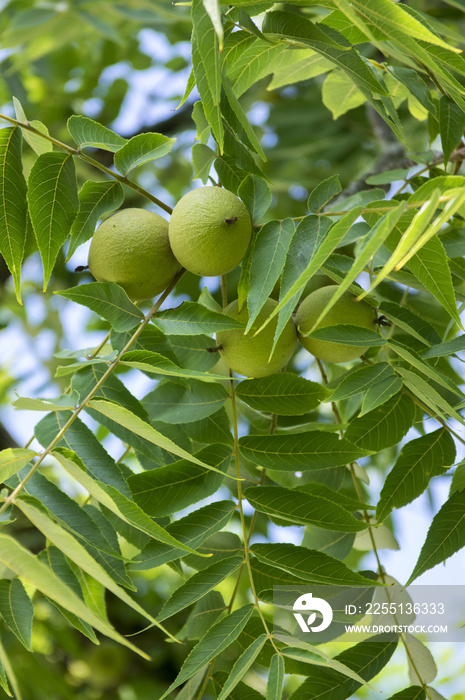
(210, 230)
(132, 249)
(250, 355)
(346, 310)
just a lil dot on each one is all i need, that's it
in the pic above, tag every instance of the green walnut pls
(346, 310)
(250, 355)
(132, 249)
(210, 230)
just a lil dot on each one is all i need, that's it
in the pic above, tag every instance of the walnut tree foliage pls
(166, 554)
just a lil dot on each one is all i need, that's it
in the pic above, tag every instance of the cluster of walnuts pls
(208, 234)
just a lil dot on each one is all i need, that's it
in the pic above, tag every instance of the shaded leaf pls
(192, 530)
(285, 394)
(419, 460)
(198, 586)
(366, 658)
(451, 126)
(184, 402)
(384, 426)
(169, 489)
(31, 570)
(274, 686)
(95, 199)
(308, 565)
(446, 535)
(217, 639)
(300, 451)
(17, 610)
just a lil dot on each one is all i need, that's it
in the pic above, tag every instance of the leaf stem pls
(11, 497)
(366, 517)
(242, 517)
(123, 179)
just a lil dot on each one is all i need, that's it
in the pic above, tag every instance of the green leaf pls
(69, 514)
(216, 640)
(313, 488)
(137, 425)
(451, 126)
(308, 565)
(416, 361)
(86, 132)
(323, 193)
(202, 160)
(116, 502)
(80, 439)
(70, 546)
(199, 585)
(207, 71)
(191, 318)
(256, 195)
(12, 460)
(308, 236)
(32, 571)
(38, 144)
(141, 149)
(184, 402)
(325, 244)
(419, 460)
(241, 666)
(300, 451)
(446, 535)
(268, 255)
(360, 380)
(379, 394)
(214, 428)
(192, 530)
(429, 396)
(296, 507)
(450, 347)
(274, 686)
(409, 322)
(345, 334)
(154, 363)
(53, 201)
(366, 658)
(13, 208)
(95, 199)
(169, 489)
(384, 426)
(108, 300)
(17, 610)
(285, 394)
